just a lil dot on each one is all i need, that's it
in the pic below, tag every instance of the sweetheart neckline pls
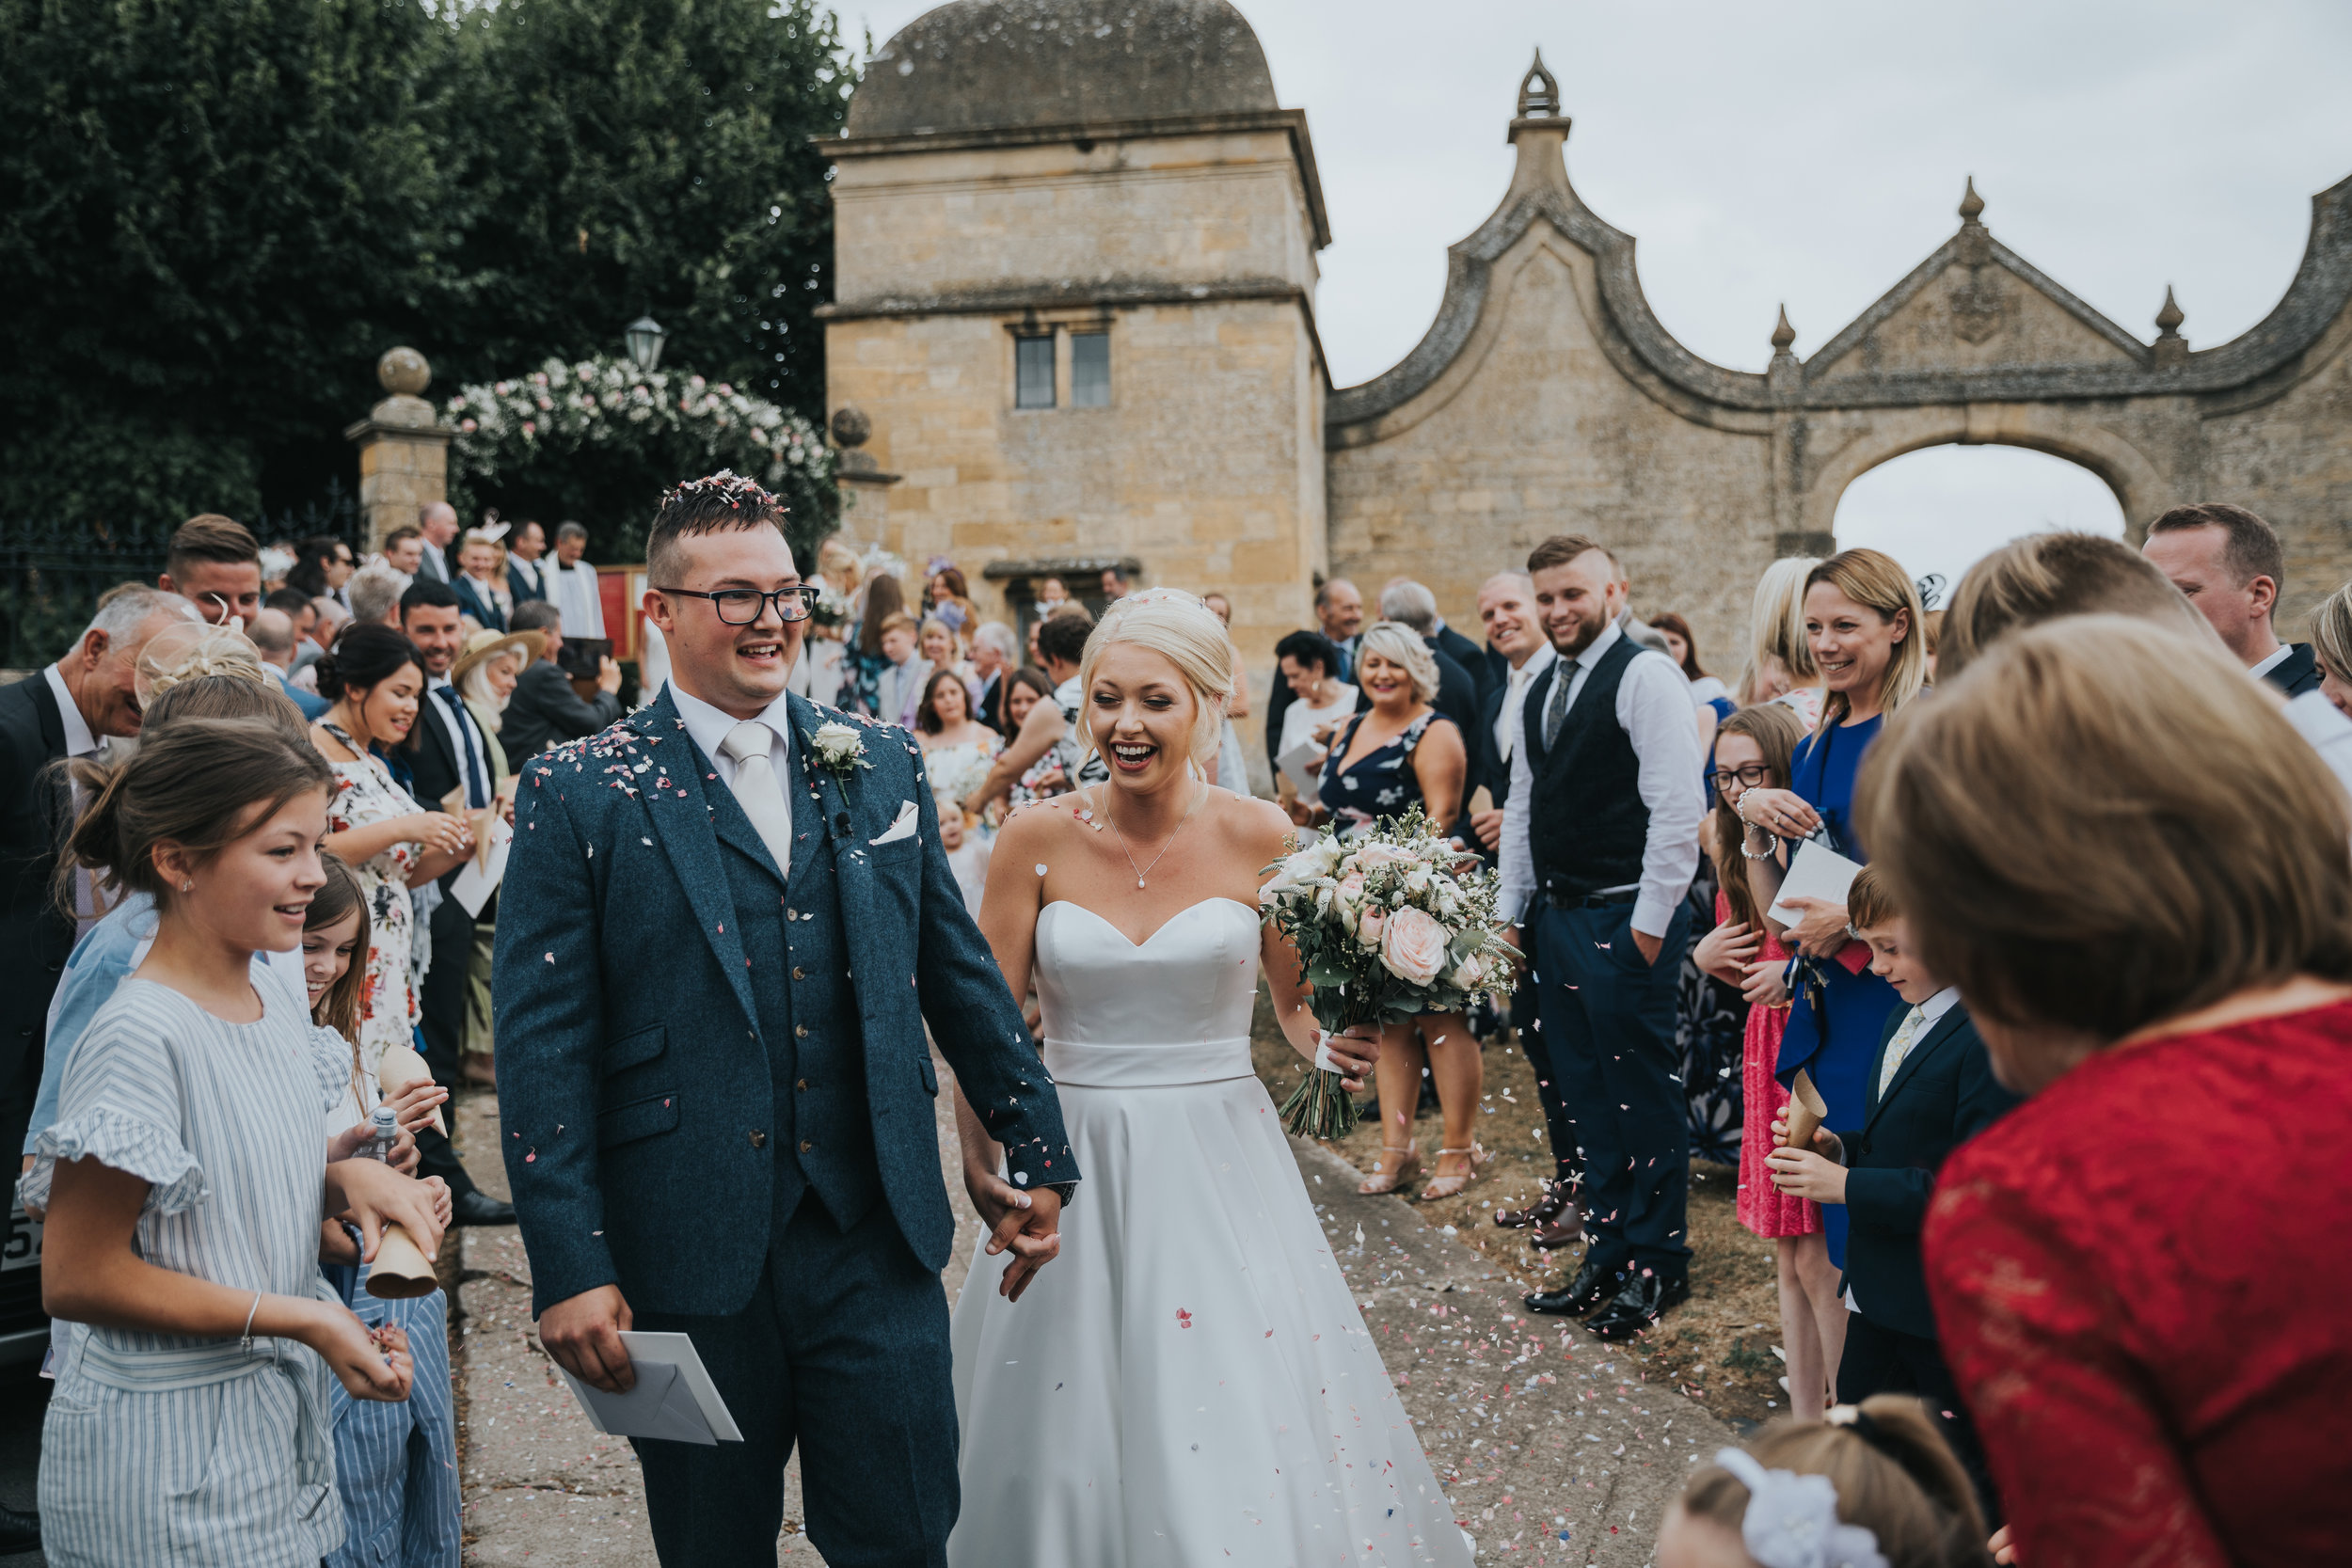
(1104, 921)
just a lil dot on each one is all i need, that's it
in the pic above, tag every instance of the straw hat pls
(483, 646)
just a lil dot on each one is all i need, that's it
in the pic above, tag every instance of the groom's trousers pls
(843, 1350)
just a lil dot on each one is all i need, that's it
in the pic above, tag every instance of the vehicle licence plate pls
(20, 1247)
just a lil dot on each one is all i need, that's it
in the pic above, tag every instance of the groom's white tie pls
(756, 790)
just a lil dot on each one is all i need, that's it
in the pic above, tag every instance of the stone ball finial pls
(2169, 319)
(402, 371)
(1784, 335)
(1971, 204)
(850, 427)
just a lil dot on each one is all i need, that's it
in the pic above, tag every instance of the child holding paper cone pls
(185, 1175)
(1931, 1089)
(393, 1486)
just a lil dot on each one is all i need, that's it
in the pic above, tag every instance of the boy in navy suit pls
(1932, 1090)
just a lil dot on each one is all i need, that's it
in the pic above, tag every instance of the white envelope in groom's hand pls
(674, 1398)
(903, 828)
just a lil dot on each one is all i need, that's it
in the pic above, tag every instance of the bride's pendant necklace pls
(1102, 804)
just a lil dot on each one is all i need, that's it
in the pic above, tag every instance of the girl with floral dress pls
(1752, 751)
(375, 680)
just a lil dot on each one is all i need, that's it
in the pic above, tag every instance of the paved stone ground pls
(1551, 1447)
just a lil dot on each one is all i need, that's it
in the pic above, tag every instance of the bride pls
(1192, 1381)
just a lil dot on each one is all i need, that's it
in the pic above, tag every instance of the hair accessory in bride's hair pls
(1791, 1520)
(1157, 596)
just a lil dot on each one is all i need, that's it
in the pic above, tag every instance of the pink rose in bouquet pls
(1414, 946)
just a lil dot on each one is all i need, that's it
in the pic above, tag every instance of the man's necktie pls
(477, 787)
(1556, 706)
(756, 789)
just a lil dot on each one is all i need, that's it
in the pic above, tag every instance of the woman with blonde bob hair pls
(1862, 621)
(1192, 1271)
(2136, 873)
(1396, 754)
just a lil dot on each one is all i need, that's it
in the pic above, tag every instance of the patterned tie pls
(1556, 707)
(756, 790)
(1915, 1024)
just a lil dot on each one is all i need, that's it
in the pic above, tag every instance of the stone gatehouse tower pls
(1075, 298)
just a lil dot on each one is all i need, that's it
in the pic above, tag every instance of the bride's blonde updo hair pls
(1187, 633)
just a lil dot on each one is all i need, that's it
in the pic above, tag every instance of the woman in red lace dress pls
(1752, 751)
(2138, 875)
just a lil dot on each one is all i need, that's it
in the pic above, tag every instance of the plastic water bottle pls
(384, 1132)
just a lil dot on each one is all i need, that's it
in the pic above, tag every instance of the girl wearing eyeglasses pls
(1752, 751)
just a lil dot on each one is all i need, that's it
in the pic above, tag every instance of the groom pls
(718, 941)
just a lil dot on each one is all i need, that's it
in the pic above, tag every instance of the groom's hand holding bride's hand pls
(1030, 1223)
(584, 1333)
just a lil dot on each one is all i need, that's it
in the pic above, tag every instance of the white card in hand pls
(480, 879)
(674, 1398)
(1303, 764)
(1817, 872)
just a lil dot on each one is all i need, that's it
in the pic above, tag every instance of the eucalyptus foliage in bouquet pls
(1386, 929)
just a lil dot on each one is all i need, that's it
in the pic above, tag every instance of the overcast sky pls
(1813, 154)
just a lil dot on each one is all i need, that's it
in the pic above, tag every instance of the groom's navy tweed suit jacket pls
(652, 1030)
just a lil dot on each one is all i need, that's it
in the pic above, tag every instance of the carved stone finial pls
(2168, 320)
(1784, 335)
(1971, 204)
(850, 427)
(404, 373)
(1539, 90)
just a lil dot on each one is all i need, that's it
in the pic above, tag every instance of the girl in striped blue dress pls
(184, 1181)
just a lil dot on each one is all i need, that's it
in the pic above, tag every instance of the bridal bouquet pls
(1386, 929)
(831, 610)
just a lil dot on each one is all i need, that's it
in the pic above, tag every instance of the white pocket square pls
(903, 828)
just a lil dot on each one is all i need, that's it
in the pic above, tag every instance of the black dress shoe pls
(479, 1208)
(19, 1532)
(1638, 1306)
(1594, 1283)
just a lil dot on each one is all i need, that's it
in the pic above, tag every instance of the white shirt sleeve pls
(1519, 859)
(1654, 706)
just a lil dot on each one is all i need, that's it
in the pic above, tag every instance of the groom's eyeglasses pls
(740, 607)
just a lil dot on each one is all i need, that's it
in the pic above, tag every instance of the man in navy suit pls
(1932, 1090)
(725, 924)
(2230, 564)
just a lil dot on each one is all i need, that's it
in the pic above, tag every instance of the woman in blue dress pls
(1384, 761)
(1862, 617)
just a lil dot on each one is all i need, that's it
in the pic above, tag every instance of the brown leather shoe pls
(1544, 1210)
(1565, 1232)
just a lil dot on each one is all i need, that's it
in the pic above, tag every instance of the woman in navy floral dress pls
(1397, 755)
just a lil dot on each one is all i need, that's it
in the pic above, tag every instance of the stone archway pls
(1546, 397)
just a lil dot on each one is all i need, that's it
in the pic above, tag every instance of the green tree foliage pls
(653, 156)
(216, 214)
(212, 217)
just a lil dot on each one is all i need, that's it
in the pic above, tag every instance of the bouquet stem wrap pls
(1321, 1107)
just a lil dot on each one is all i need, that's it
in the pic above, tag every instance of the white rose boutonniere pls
(838, 749)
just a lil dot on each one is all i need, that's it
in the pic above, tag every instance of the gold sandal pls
(1387, 1181)
(1438, 1186)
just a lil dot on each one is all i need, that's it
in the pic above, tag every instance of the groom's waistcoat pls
(823, 1136)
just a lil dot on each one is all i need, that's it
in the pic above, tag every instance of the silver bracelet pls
(1763, 854)
(246, 1343)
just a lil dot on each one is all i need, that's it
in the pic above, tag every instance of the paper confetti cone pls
(401, 1070)
(1807, 1110)
(401, 1271)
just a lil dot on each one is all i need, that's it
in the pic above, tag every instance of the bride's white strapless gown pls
(1190, 1382)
